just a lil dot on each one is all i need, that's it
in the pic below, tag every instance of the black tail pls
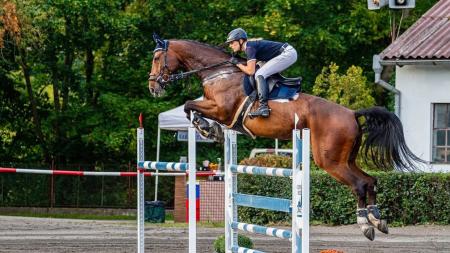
(385, 143)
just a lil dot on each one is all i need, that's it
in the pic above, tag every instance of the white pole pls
(158, 140)
(230, 151)
(140, 190)
(276, 146)
(305, 189)
(296, 191)
(192, 189)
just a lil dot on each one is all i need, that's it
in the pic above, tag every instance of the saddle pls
(278, 79)
(280, 87)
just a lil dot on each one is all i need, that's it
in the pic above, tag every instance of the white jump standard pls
(166, 166)
(298, 207)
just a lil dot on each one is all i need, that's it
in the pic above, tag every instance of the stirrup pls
(260, 112)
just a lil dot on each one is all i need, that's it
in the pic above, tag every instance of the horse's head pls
(163, 64)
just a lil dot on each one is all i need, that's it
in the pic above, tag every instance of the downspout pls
(378, 68)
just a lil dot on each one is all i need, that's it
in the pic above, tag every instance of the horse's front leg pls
(211, 131)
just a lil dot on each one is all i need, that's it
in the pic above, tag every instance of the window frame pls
(446, 130)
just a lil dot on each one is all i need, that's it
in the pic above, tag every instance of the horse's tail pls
(385, 143)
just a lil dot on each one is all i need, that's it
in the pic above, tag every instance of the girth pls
(238, 121)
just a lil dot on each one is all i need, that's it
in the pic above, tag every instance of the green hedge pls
(403, 198)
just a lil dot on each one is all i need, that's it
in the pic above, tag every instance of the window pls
(441, 133)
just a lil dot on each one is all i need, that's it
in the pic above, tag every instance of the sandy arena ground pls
(20, 234)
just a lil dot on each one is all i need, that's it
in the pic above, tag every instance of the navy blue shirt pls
(262, 50)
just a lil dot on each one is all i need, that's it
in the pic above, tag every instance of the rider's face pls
(234, 45)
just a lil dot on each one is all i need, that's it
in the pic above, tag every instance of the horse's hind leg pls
(358, 183)
(373, 213)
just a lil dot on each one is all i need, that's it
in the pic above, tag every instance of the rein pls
(182, 75)
(164, 79)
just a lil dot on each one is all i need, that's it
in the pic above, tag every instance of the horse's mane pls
(215, 48)
(223, 50)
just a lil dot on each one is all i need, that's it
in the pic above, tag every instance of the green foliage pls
(243, 241)
(403, 198)
(349, 90)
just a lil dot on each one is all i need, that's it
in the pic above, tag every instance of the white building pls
(421, 57)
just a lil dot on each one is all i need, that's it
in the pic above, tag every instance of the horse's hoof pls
(383, 227)
(368, 231)
(379, 224)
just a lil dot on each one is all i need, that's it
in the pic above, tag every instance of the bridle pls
(164, 77)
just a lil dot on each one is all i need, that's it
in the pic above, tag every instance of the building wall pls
(212, 200)
(420, 87)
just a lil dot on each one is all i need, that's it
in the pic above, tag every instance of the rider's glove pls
(234, 60)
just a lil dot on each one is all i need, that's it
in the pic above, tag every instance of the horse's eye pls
(156, 59)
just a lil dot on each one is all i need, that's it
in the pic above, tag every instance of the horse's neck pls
(194, 56)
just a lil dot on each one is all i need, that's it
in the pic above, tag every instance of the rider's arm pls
(248, 69)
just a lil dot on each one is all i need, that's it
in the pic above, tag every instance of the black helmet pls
(236, 34)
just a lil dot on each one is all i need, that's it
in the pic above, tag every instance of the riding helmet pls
(236, 34)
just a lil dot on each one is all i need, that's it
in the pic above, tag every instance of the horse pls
(336, 131)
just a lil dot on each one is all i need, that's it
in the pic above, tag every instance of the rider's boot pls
(263, 94)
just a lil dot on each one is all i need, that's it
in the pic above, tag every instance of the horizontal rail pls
(168, 166)
(244, 250)
(256, 229)
(267, 171)
(269, 203)
(100, 173)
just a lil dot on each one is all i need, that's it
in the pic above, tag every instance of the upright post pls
(158, 140)
(296, 190)
(230, 151)
(300, 191)
(140, 186)
(305, 189)
(192, 188)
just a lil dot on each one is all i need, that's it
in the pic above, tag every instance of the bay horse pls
(336, 131)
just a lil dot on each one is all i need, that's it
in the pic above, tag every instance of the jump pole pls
(79, 173)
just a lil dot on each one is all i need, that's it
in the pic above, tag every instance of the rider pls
(278, 57)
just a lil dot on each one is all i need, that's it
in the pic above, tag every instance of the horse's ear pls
(158, 39)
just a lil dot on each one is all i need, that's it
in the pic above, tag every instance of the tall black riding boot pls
(263, 94)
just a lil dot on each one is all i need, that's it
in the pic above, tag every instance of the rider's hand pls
(234, 60)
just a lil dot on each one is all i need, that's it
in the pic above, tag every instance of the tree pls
(349, 89)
